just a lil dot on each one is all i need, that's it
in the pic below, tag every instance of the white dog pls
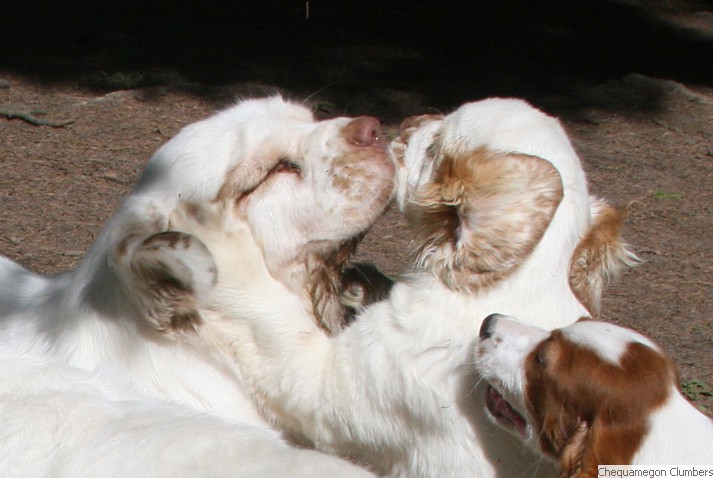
(590, 394)
(100, 374)
(503, 222)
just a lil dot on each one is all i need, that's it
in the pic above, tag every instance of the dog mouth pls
(504, 413)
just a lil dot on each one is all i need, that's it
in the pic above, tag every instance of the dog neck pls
(678, 433)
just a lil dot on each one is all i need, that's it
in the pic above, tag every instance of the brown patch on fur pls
(482, 214)
(324, 278)
(589, 411)
(600, 256)
(344, 170)
(354, 173)
(169, 300)
(172, 306)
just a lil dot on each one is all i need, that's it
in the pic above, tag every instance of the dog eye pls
(287, 165)
(541, 356)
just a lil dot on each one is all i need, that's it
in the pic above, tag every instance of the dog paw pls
(362, 285)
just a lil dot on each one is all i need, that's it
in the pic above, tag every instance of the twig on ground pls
(27, 117)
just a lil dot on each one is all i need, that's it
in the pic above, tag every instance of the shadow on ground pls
(390, 55)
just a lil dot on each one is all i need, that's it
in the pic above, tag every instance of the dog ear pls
(171, 273)
(482, 214)
(324, 272)
(591, 445)
(572, 452)
(600, 255)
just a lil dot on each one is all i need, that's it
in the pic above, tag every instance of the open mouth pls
(503, 413)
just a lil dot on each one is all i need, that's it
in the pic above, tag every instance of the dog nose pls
(363, 131)
(486, 328)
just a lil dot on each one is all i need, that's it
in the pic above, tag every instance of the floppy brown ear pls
(324, 270)
(597, 444)
(586, 446)
(170, 273)
(482, 215)
(572, 454)
(600, 255)
(568, 437)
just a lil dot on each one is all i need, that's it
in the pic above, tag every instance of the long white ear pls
(171, 272)
(482, 214)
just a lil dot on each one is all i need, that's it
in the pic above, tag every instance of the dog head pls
(478, 194)
(306, 189)
(581, 393)
(491, 184)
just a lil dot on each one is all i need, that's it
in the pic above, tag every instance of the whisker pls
(329, 85)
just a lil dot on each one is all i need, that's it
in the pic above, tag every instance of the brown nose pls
(362, 131)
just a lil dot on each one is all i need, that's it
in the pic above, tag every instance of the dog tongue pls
(503, 411)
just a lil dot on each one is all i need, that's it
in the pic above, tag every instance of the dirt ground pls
(640, 113)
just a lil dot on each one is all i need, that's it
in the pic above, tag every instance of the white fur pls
(60, 421)
(394, 390)
(94, 382)
(607, 340)
(679, 434)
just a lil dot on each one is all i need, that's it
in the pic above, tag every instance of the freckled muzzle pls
(365, 173)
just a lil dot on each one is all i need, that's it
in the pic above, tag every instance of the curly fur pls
(481, 215)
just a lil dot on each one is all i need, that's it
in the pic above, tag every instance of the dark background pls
(447, 52)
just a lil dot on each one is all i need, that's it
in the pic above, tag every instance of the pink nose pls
(362, 131)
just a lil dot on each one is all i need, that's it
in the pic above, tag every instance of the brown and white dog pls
(100, 373)
(588, 394)
(502, 221)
